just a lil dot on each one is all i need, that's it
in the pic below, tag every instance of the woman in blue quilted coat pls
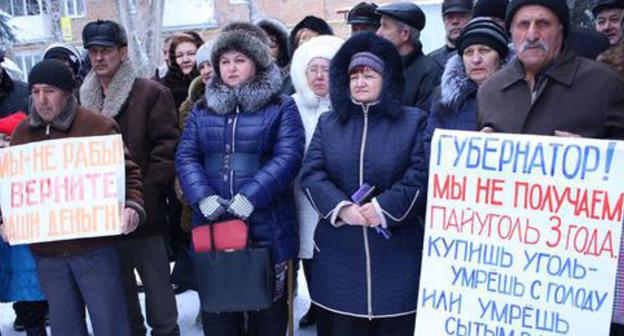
(367, 256)
(240, 151)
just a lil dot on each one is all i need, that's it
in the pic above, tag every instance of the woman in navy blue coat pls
(240, 151)
(367, 256)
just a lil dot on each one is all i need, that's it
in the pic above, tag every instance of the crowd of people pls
(319, 144)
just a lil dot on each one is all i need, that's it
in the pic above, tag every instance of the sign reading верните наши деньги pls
(522, 235)
(62, 189)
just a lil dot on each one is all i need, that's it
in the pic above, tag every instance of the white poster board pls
(62, 189)
(522, 235)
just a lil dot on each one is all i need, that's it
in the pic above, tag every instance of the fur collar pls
(196, 89)
(455, 84)
(92, 96)
(62, 121)
(249, 97)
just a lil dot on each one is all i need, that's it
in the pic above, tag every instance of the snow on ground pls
(188, 305)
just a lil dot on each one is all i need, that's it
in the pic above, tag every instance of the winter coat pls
(76, 121)
(146, 114)
(356, 271)
(195, 94)
(13, 95)
(454, 102)
(310, 108)
(178, 83)
(247, 140)
(572, 95)
(422, 75)
(442, 55)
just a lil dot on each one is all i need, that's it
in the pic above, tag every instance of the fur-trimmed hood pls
(92, 96)
(250, 96)
(455, 85)
(389, 103)
(278, 29)
(324, 46)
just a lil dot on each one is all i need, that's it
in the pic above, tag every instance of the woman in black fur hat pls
(367, 256)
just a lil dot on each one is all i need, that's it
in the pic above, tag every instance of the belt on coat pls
(245, 162)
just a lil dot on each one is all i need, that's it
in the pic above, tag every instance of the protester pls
(310, 74)
(182, 68)
(362, 17)
(570, 95)
(493, 9)
(279, 46)
(239, 153)
(308, 28)
(401, 24)
(367, 255)
(608, 15)
(69, 55)
(78, 272)
(147, 117)
(455, 15)
(481, 51)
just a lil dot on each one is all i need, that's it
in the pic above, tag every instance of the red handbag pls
(227, 235)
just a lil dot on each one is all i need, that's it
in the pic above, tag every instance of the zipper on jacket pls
(48, 130)
(369, 283)
(233, 151)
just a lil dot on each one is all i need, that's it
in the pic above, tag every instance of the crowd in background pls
(287, 129)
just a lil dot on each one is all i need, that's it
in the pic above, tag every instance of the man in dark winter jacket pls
(455, 15)
(401, 24)
(548, 89)
(147, 116)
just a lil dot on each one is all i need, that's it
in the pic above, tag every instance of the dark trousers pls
(272, 321)
(149, 257)
(332, 324)
(93, 279)
(31, 314)
(617, 330)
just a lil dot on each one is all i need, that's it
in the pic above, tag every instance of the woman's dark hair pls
(177, 40)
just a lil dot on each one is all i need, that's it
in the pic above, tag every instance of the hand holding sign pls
(130, 221)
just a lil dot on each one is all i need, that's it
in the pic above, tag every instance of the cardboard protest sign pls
(522, 235)
(62, 189)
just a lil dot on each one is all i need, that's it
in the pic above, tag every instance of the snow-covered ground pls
(188, 305)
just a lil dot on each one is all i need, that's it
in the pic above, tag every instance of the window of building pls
(26, 62)
(74, 8)
(188, 14)
(22, 7)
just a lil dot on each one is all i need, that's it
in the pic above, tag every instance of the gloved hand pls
(212, 207)
(240, 207)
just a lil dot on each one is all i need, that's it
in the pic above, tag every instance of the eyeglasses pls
(317, 71)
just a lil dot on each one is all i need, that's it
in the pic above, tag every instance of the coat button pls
(227, 148)
(225, 177)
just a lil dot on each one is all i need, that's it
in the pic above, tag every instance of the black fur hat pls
(393, 76)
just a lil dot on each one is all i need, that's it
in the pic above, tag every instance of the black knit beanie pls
(483, 30)
(491, 8)
(559, 7)
(51, 72)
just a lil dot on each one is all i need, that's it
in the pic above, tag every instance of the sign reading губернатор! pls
(522, 235)
(62, 189)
